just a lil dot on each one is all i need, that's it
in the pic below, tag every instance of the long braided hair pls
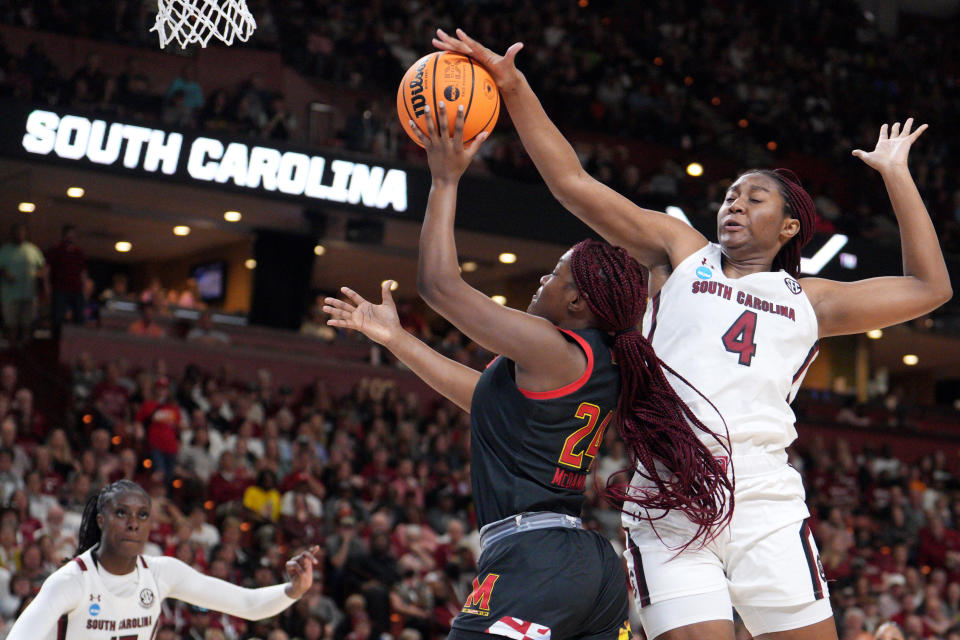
(798, 204)
(659, 429)
(90, 532)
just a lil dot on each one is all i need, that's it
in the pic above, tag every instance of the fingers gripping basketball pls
(456, 80)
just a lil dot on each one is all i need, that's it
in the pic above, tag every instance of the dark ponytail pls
(90, 532)
(657, 427)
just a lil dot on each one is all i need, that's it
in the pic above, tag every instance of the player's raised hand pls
(892, 148)
(300, 569)
(447, 156)
(502, 68)
(379, 322)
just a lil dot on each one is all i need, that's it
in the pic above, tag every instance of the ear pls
(100, 521)
(789, 228)
(577, 304)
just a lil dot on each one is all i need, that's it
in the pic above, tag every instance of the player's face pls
(557, 288)
(125, 523)
(752, 214)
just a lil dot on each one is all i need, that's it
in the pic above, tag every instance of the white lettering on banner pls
(234, 165)
(264, 163)
(41, 133)
(96, 150)
(73, 137)
(166, 152)
(135, 136)
(197, 166)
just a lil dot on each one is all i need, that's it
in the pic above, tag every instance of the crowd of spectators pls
(745, 82)
(241, 475)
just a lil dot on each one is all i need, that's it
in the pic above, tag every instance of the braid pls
(659, 429)
(90, 532)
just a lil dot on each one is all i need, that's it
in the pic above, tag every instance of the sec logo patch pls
(793, 286)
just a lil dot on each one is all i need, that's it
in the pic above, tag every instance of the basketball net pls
(189, 21)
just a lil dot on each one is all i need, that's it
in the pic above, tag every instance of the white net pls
(190, 21)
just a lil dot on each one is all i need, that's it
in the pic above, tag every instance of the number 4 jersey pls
(744, 343)
(532, 451)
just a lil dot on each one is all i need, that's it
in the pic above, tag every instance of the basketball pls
(456, 80)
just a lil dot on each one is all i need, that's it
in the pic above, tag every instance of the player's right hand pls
(503, 69)
(379, 322)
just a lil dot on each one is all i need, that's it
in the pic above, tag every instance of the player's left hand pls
(892, 148)
(447, 156)
(300, 569)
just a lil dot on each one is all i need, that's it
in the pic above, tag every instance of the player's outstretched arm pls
(853, 307)
(60, 594)
(380, 323)
(532, 342)
(181, 581)
(653, 238)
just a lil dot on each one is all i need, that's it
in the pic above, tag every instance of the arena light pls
(122, 246)
(319, 250)
(499, 299)
(250, 263)
(181, 230)
(232, 216)
(75, 192)
(848, 260)
(910, 359)
(813, 266)
(875, 334)
(695, 169)
(26, 207)
(394, 285)
(469, 266)
(507, 258)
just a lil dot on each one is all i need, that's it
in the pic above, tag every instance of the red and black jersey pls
(532, 450)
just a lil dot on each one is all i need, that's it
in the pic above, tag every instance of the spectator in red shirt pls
(146, 325)
(111, 399)
(68, 269)
(939, 546)
(162, 420)
(227, 484)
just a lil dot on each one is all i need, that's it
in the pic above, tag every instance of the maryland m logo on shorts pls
(478, 602)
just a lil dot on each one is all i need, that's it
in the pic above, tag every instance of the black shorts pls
(568, 583)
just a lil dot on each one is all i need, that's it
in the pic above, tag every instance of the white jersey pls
(82, 601)
(745, 343)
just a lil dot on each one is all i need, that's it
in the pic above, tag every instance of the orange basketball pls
(456, 80)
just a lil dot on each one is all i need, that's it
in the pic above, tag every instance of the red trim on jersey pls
(62, 626)
(83, 567)
(653, 322)
(143, 562)
(640, 578)
(812, 565)
(490, 364)
(573, 386)
(814, 350)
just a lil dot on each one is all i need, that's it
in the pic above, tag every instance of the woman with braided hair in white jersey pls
(736, 322)
(110, 591)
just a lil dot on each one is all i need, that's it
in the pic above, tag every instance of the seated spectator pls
(118, 289)
(10, 481)
(204, 332)
(146, 325)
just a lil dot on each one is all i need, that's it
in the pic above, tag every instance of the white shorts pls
(765, 559)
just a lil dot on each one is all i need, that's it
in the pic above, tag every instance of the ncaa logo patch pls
(793, 286)
(704, 273)
(94, 609)
(451, 93)
(146, 598)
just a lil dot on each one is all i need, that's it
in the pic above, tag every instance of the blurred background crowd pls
(739, 83)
